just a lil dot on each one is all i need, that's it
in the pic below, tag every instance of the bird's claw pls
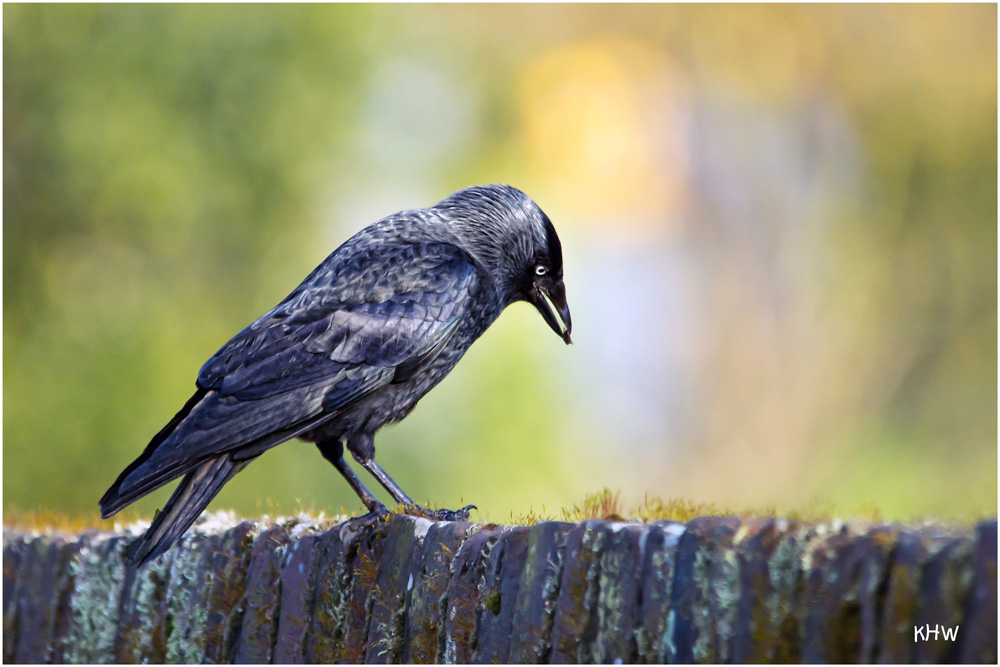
(352, 527)
(452, 515)
(440, 515)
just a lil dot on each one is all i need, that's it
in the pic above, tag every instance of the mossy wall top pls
(411, 590)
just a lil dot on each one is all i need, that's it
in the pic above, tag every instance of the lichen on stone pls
(763, 590)
(98, 571)
(143, 639)
(187, 615)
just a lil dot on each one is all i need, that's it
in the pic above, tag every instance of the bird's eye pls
(540, 270)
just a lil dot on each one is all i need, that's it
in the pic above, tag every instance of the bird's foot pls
(439, 515)
(352, 527)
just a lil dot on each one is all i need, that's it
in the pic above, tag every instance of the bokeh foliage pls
(170, 172)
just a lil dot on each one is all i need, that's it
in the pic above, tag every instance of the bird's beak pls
(549, 297)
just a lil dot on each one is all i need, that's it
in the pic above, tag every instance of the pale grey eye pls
(540, 270)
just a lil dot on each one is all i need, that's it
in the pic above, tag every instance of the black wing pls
(385, 308)
(362, 320)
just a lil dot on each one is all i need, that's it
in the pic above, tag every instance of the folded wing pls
(359, 322)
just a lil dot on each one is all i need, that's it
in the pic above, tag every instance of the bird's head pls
(540, 280)
(514, 239)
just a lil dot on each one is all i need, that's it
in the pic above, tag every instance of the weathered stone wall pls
(410, 590)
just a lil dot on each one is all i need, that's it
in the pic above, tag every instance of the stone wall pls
(415, 591)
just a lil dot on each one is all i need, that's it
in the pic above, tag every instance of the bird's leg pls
(333, 451)
(362, 446)
(403, 499)
(387, 482)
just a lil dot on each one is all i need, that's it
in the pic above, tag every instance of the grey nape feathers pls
(380, 322)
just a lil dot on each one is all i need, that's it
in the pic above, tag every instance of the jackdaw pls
(354, 347)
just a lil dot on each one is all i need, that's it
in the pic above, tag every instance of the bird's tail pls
(121, 494)
(190, 498)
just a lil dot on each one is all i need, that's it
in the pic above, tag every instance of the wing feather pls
(349, 329)
(301, 341)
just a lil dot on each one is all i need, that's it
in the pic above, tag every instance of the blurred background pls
(779, 225)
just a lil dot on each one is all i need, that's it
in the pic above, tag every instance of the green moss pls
(607, 504)
(492, 602)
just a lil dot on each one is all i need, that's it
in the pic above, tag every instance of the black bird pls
(354, 347)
